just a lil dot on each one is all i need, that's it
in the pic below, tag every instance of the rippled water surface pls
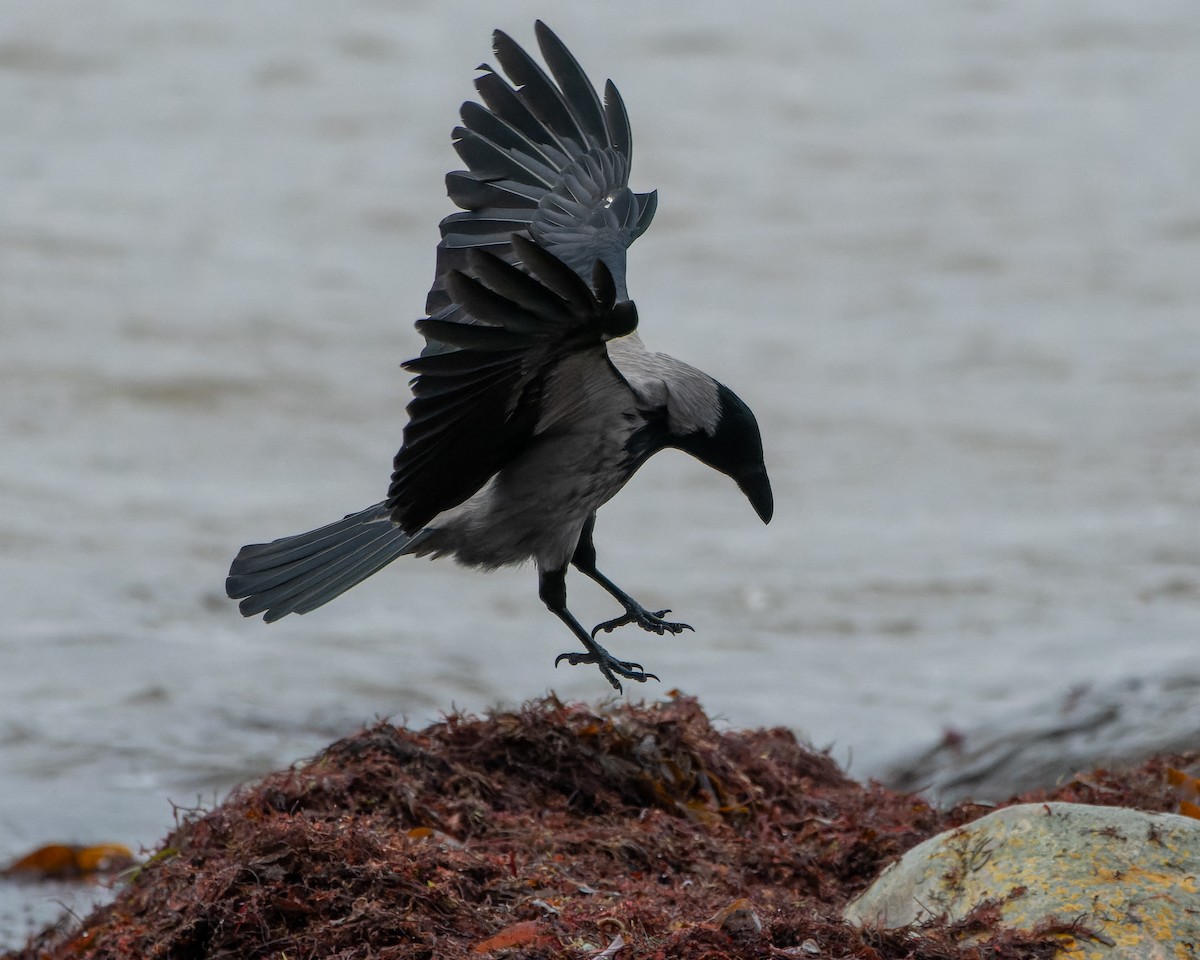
(948, 252)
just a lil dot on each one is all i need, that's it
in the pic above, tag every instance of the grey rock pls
(1114, 724)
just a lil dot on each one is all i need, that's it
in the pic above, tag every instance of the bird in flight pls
(534, 400)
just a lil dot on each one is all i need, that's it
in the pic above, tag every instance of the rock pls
(738, 919)
(1130, 878)
(1112, 725)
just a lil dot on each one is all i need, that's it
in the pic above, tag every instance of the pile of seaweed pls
(559, 830)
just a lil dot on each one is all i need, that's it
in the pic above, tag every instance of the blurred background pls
(949, 253)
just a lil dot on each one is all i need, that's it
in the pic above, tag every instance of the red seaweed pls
(552, 831)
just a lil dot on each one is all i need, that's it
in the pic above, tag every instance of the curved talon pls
(650, 622)
(634, 669)
(610, 667)
(672, 627)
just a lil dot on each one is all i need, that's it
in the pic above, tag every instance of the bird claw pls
(609, 665)
(651, 622)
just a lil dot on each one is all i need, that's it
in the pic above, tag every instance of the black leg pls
(585, 562)
(552, 588)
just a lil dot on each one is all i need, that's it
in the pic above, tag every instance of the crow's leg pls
(552, 588)
(585, 562)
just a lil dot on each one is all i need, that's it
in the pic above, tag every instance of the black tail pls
(298, 574)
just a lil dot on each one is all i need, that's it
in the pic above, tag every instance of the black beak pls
(757, 488)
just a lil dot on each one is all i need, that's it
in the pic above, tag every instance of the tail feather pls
(318, 561)
(257, 557)
(298, 574)
(349, 574)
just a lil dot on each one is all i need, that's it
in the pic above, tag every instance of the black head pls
(734, 447)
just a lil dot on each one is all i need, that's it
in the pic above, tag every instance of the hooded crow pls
(534, 400)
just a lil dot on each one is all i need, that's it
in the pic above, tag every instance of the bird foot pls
(609, 665)
(651, 622)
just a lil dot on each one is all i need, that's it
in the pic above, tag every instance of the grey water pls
(949, 252)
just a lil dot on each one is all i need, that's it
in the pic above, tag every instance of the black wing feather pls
(493, 162)
(554, 273)
(538, 294)
(617, 119)
(490, 125)
(577, 89)
(472, 336)
(536, 90)
(489, 306)
(505, 103)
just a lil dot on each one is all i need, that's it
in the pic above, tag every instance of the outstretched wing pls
(546, 159)
(476, 404)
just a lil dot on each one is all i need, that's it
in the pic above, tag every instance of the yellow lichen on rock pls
(1128, 877)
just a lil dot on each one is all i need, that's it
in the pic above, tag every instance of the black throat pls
(648, 439)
